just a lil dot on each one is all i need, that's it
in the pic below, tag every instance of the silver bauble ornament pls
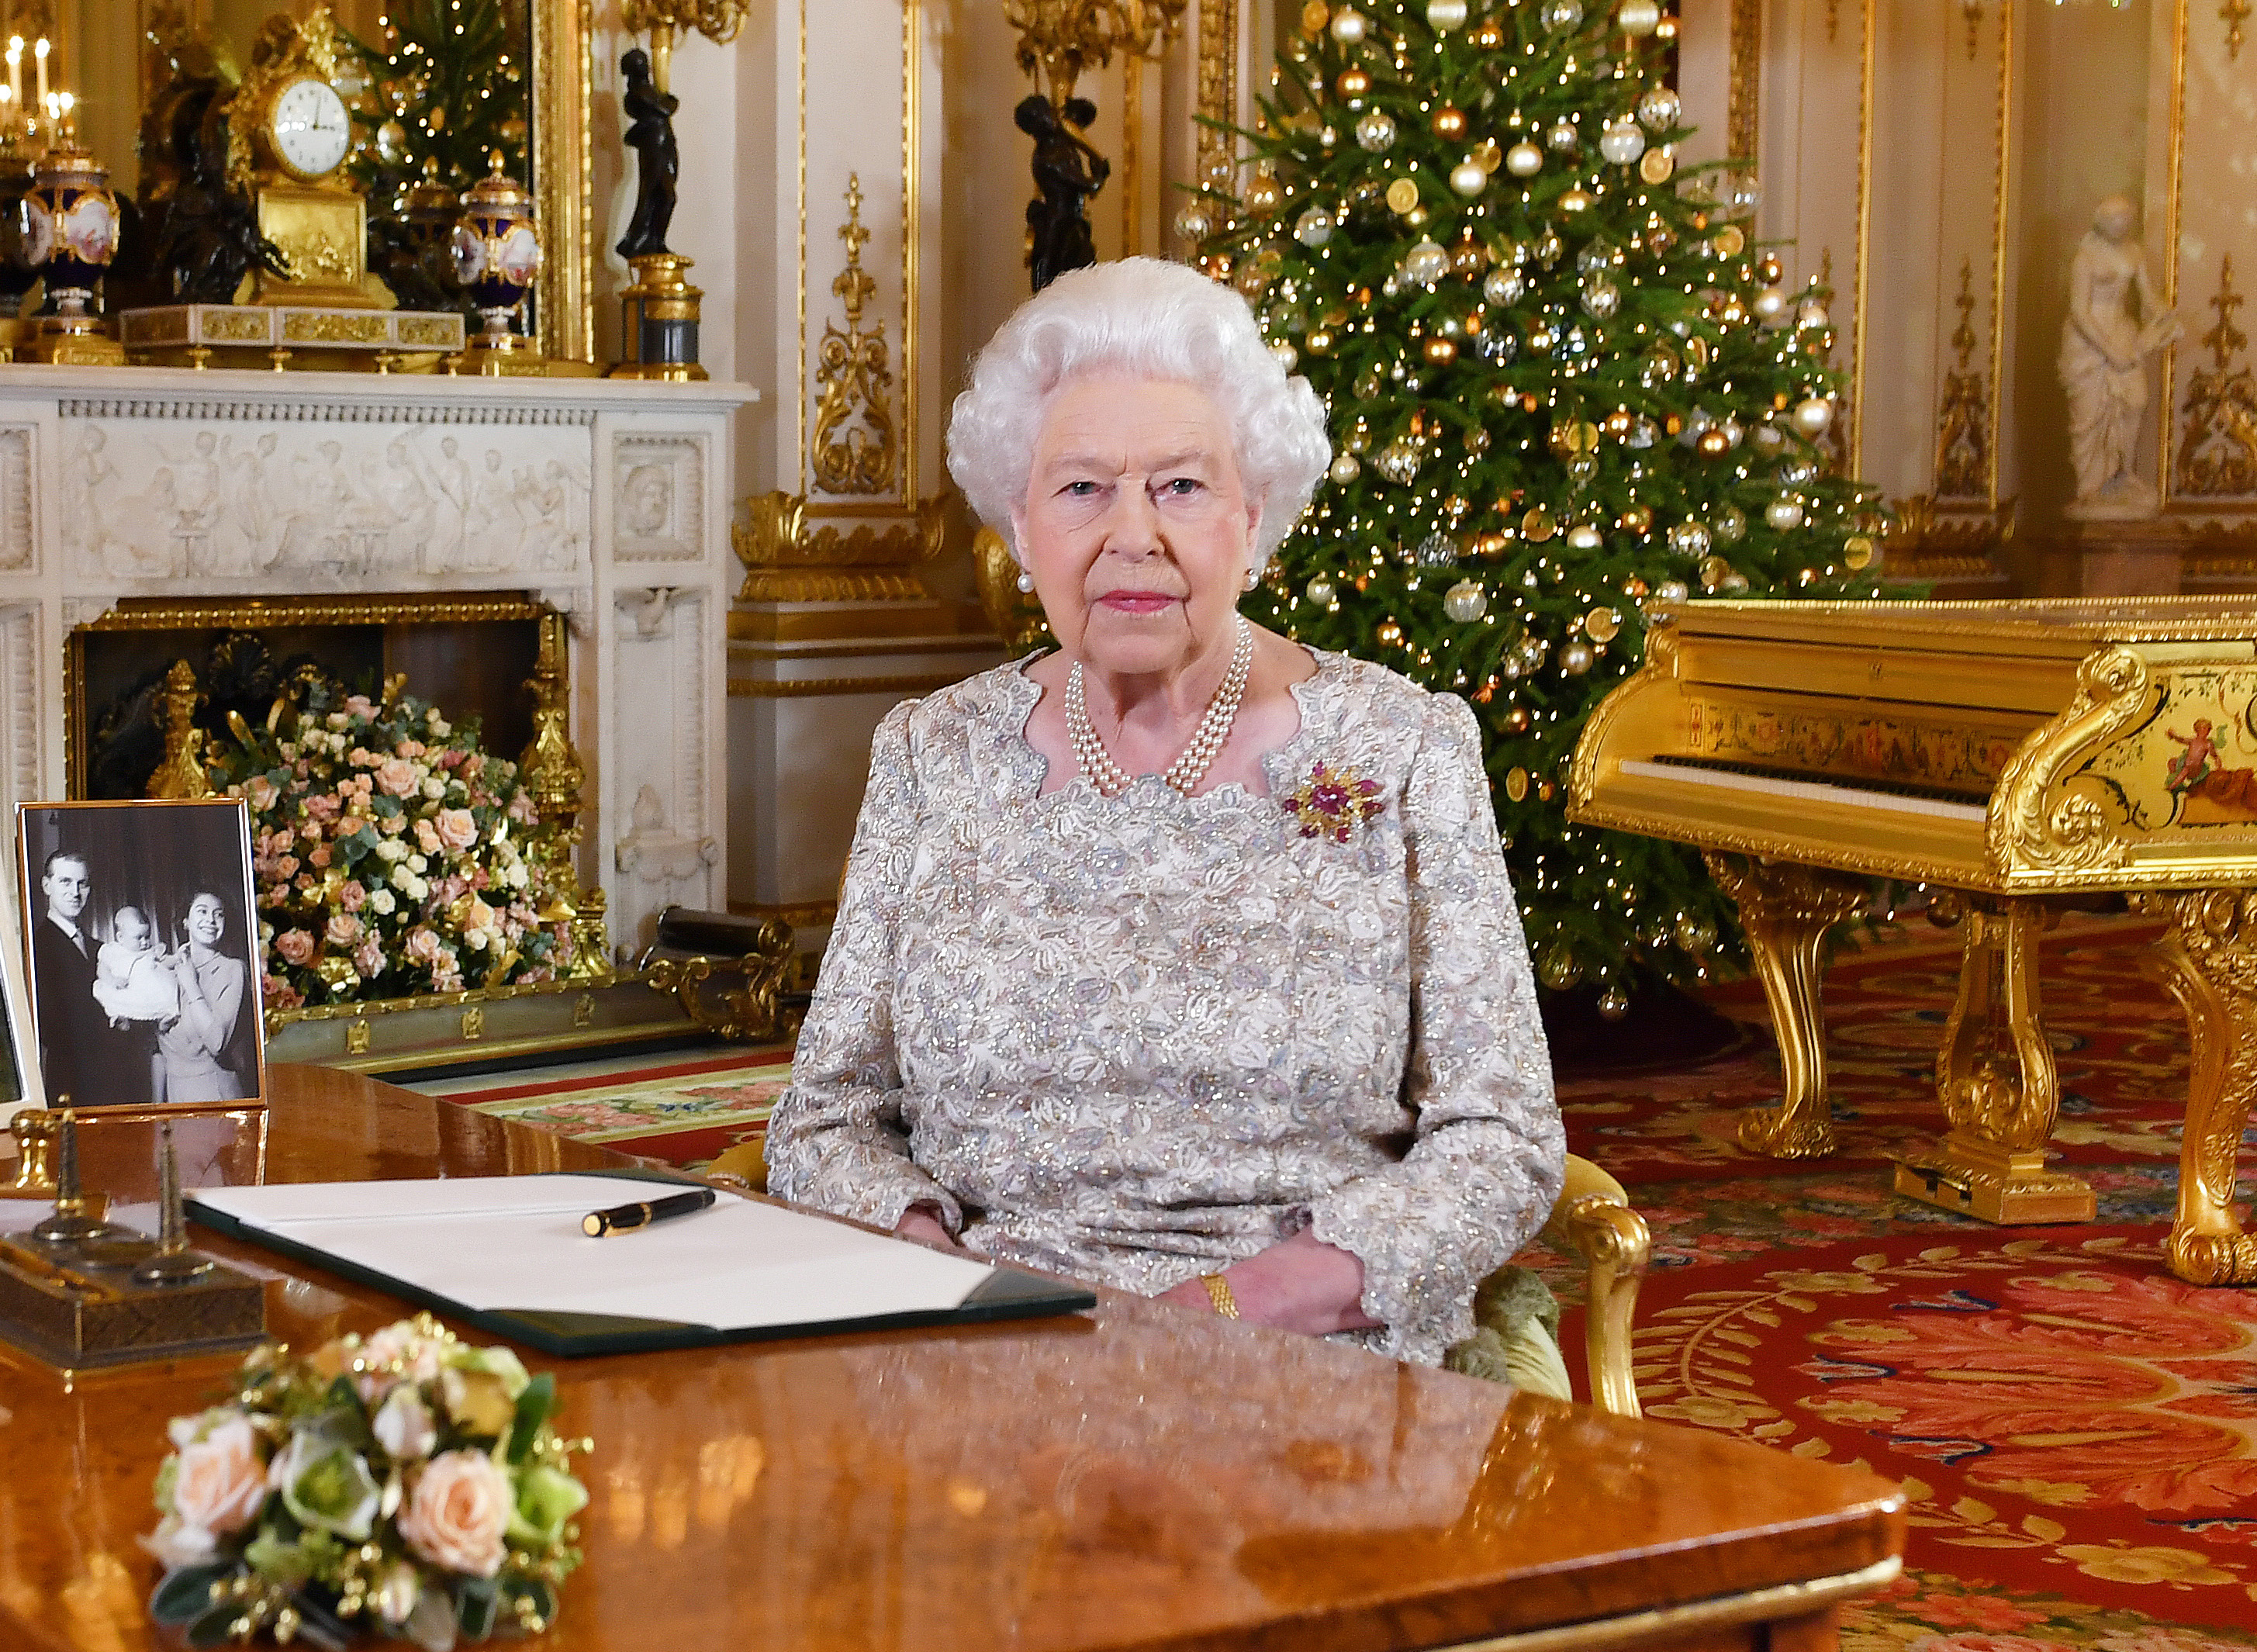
(1193, 224)
(1445, 15)
(1784, 513)
(1637, 17)
(1284, 353)
(1468, 177)
(391, 140)
(1436, 550)
(1696, 935)
(1375, 130)
(1583, 537)
(1559, 16)
(1524, 160)
(1465, 602)
(1575, 657)
(1345, 467)
(1426, 263)
(1689, 538)
(1730, 524)
(1313, 227)
(1397, 462)
(1504, 286)
(1349, 25)
(1613, 1003)
(1810, 313)
(1768, 439)
(1660, 109)
(1770, 306)
(1563, 137)
(1601, 299)
(1320, 591)
(1794, 470)
(1621, 142)
(1812, 415)
(1672, 590)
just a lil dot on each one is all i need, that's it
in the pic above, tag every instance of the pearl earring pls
(1026, 582)
(1253, 578)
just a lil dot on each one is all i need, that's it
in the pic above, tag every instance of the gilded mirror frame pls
(558, 114)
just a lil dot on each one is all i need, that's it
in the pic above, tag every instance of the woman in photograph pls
(192, 1051)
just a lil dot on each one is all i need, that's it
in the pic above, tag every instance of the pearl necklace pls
(1207, 740)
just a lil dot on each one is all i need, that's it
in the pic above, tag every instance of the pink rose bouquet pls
(389, 851)
(407, 1482)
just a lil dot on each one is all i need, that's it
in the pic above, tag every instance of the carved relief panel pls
(658, 499)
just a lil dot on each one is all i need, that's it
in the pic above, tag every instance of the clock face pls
(309, 128)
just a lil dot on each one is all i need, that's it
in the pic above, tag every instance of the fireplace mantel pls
(608, 499)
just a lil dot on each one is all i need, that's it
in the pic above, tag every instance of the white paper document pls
(504, 1244)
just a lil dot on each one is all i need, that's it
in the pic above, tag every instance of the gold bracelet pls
(1218, 1292)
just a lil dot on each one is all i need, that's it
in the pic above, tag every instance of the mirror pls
(101, 52)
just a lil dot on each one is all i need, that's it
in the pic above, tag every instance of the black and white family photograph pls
(142, 941)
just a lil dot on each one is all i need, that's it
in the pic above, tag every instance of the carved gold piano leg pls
(1786, 911)
(1992, 1164)
(2208, 961)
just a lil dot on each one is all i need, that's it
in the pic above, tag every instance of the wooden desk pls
(1136, 1476)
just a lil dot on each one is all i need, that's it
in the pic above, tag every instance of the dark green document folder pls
(1006, 1294)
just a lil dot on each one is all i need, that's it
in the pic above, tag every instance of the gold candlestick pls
(74, 1221)
(174, 1263)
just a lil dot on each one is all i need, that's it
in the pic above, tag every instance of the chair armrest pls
(1593, 1218)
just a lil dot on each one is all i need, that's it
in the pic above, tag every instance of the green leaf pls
(185, 1594)
(211, 1628)
(478, 1603)
(534, 1404)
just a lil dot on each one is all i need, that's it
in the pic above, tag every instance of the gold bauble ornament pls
(1714, 570)
(1638, 518)
(1488, 37)
(1517, 720)
(1857, 551)
(1656, 166)
(1712, 444)
(1450, 122)
(1390, 634)
(1314, 16)
(1559, 970)
(1353, 83)
(1403, 197)
(1491, 544)
(1603, 624)
(1487, 155)
(1730, 243)
(1440, 352)
(1469, 257)
(1265, 194)
(1538, 525)
(1515, 784)
(1577, 200)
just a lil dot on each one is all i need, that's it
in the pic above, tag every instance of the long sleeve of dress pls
(837, 1140)
(1486, 1161)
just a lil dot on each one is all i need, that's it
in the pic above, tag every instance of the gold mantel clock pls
(288, 133)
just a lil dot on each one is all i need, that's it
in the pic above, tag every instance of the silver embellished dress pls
(1134, 1039)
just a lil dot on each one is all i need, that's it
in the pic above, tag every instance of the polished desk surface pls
(1131, 1476)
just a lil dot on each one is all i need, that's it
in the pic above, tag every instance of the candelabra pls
(717, 20)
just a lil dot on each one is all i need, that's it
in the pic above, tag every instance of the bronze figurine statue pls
(1067, 172)
(658, 159)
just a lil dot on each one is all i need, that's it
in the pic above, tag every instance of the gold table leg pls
(1786, 911)
(2208, 961)
(1992, 1164)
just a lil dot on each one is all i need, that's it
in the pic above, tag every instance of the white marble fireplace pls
(608, 500)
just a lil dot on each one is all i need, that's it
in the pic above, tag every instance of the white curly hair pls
(1149, 319)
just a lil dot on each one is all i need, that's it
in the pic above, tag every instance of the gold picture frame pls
(558, 111)
(159, 899)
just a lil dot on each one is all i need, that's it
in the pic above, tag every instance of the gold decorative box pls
(79, 1308)
(269, 335)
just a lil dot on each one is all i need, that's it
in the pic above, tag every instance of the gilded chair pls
(1592, 1219)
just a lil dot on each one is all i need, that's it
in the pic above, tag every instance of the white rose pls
(434, 787)
(397, 1594)
(404, 880)
(517, 876)
(419, 864)
(405, 1428)
(176, 1543)
(381, 902)
(391, 850)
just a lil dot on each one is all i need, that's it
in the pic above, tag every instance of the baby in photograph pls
(130, 978)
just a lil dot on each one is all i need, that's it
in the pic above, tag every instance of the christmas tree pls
(445, 91)
(1562, 384)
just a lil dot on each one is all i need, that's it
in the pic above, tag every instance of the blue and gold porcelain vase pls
(496, 259)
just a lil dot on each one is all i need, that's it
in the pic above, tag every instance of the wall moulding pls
(792, 555)
(1937, 541)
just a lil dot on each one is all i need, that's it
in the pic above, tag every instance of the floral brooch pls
(1333, 802)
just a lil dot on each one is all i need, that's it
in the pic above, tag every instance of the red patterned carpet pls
(2078, 1428)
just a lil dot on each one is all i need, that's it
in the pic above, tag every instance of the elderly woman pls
(1182, 959)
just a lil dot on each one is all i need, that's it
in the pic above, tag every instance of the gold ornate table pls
(1138, 1477)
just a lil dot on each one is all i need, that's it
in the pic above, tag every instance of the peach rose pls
(423, 946)
(456, 829)
(457, 1515)
(343, 929)
(295, 946)
(221, 1482)
(353, 896)
(399, 778)
(261, 793)
(426, 837)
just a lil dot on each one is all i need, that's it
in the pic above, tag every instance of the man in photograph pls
(81, 1056)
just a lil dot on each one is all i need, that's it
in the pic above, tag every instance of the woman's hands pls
(1303, 1284)
(921, 1225)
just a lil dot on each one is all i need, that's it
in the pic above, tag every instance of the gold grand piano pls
(2025, 754)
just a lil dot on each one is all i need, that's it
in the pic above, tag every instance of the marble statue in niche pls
(317, 505)
(2105, 347)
